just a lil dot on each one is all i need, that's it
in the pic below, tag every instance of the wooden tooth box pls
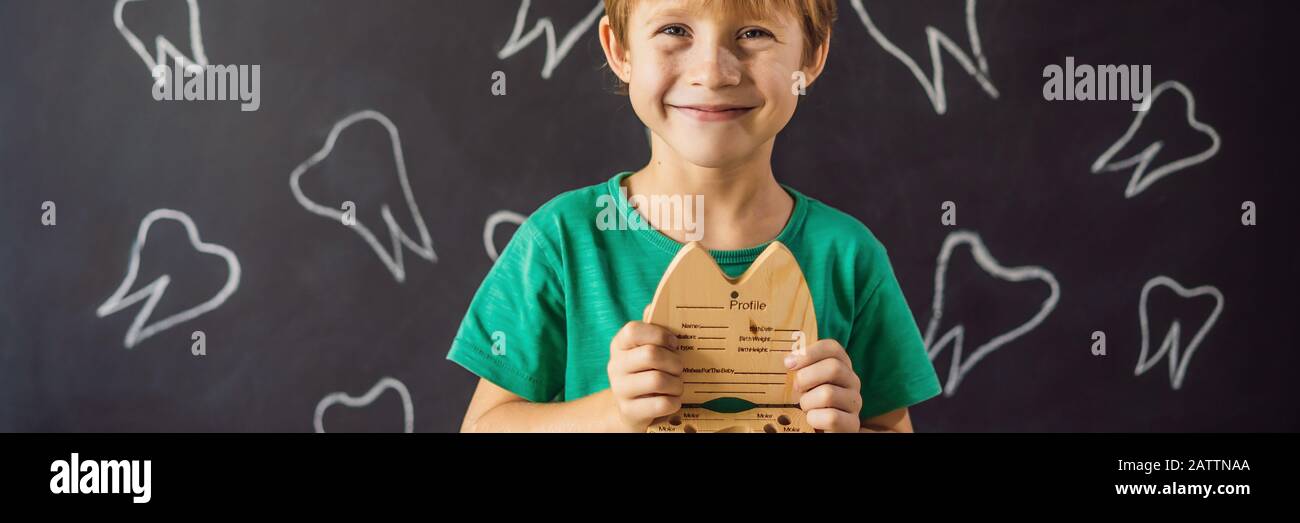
(733, 336)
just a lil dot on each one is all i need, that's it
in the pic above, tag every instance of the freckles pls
(669, 68)
(657, 77)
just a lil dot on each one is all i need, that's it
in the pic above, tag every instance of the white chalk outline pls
(490, 227)
(1137, 183)
(1177, 366)
(121, 300)
(934, 87)
(985, 260)
(394, 262)
(335, 398)
(554, 55)
(162, 46)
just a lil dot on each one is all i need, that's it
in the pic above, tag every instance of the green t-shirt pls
(541, 323)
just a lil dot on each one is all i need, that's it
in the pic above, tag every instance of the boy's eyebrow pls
(666, 12)
(679, 12)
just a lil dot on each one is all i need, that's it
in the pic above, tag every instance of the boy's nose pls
(713, 66)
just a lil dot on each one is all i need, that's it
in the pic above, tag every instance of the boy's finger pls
(636, 333)
(816, 352)
(832, 420)
(651, 357)
(652, 382)
(652, 407)
(828, 371)
(831, 397)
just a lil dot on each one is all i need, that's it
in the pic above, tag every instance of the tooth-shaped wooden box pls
(733, 337)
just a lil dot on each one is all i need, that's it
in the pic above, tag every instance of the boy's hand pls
(830, 393)
(644, 374)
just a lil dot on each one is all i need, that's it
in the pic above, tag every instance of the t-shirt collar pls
(792, 228)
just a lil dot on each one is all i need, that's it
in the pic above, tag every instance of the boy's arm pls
(831, 393)
(494, 409)
(894, 421)
(644, 384)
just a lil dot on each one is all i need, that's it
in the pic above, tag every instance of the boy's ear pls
(616, 54)
(812, 71)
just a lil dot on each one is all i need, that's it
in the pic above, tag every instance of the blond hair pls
(816, 18)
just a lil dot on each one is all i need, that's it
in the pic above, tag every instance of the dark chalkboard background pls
(316, 312)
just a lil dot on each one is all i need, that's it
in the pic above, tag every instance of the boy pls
(552, 332)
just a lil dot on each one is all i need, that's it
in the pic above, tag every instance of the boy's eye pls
(755, 33)
(674, 30)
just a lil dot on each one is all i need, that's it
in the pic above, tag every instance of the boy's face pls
(714, 86)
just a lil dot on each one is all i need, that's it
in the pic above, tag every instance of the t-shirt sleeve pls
(514, 332)
(887, 350)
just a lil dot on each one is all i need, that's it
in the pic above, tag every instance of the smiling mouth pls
(712, 113)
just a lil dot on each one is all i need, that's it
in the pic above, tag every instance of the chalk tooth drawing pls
(934, 86)
(342, 398)
(138, 331)
(1170, 345)
(498, 218)
(555, 53)
(422, 248)
(1141, 179)
(961, 364)
(163, 47)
